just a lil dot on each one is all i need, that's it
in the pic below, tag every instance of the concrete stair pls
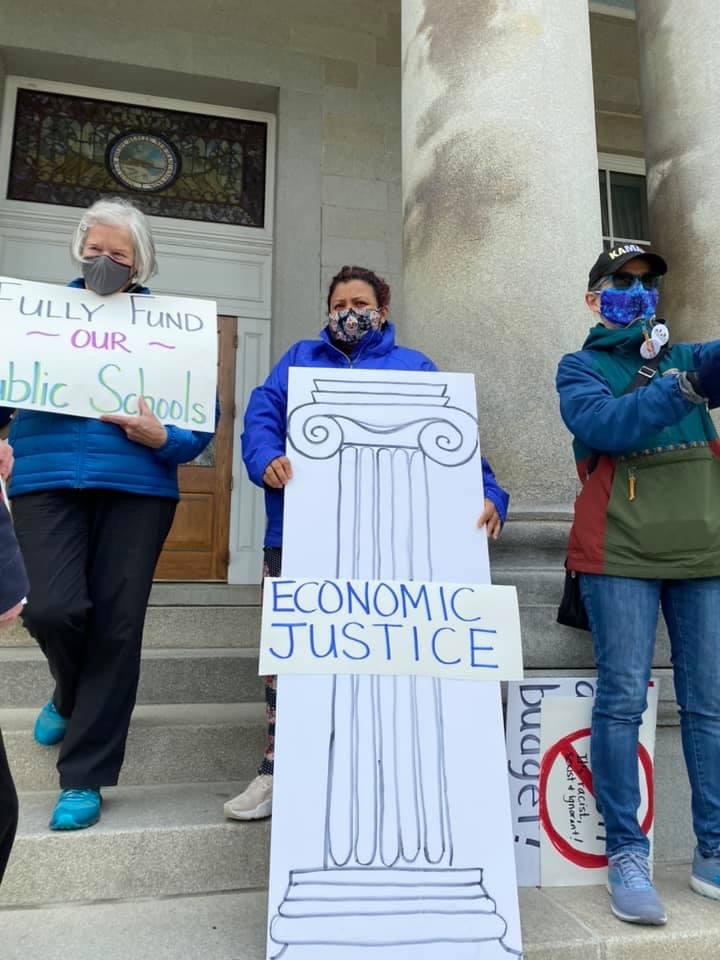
(165, 876)
(558, 924)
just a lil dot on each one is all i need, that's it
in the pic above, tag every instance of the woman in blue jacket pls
(358, 334)
(93, 501)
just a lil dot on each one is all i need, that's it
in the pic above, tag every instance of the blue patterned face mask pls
(349, 326)
(622, 307)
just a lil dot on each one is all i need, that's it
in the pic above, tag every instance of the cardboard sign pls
(70, 351)
(391, 824)
(522, 732)
(460, 631)
(572, 840)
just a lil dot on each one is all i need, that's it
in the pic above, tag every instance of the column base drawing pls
(371, 911)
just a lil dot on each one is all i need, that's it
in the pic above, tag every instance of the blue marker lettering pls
(433, 645)
(454, 608)
(290, 627)
(276, 595)
(365, 646)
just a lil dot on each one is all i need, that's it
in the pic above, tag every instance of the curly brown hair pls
(380, 286)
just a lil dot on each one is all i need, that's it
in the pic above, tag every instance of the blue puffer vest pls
(58, 452)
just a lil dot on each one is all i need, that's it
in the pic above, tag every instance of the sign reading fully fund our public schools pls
(66, 350)
(455, 630)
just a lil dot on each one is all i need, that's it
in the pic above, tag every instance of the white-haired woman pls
(93, 501)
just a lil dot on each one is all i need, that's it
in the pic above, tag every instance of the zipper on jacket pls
(632, 483)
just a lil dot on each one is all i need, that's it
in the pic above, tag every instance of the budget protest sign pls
(66, 350)
(525, 700)
(572, 834)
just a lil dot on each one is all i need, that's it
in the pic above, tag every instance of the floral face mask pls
(350, 326)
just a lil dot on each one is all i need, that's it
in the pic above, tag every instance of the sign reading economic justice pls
(454, 630)
(70, 351)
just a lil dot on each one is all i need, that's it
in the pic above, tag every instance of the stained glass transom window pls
(71, 150)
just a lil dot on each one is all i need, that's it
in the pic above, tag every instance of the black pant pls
(8, 810)
(90, 557)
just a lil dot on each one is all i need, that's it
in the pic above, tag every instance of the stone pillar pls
(680, 83)
(502, 218)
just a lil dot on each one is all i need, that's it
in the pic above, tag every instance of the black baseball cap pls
(610, 261)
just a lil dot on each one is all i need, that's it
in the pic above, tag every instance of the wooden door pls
(197, 547)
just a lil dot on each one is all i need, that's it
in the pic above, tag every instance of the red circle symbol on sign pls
(565, 749)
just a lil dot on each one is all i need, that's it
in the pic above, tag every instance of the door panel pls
(198, 544)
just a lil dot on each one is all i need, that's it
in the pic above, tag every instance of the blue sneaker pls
(705, 876)
(76, 808)
(633, 897)
(50, 727)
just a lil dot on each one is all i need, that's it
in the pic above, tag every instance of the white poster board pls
(572, 837)
(66, 350)
(522, 732)
(391, 822)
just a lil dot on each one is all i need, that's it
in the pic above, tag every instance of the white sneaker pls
(254, 803)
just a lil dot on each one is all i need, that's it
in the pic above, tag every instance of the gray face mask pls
(103, 275)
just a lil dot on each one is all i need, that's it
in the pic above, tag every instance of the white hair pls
(118, 212)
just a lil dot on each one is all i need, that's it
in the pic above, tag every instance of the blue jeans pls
(623, 614)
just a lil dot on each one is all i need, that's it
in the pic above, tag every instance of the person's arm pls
(496, 503)
(494, 492)
(612, 424)
(704, 380)
(182, 446)
(265, 424)
(13, 579)
(172, 444)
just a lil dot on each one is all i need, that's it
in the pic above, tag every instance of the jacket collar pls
(377, 343)
(622, 339)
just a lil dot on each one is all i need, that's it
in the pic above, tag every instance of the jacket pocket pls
(664, 510)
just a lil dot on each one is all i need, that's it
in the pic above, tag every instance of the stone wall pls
(329, 67)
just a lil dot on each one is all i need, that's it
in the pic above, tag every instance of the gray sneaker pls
(705, 876)
(633, 897)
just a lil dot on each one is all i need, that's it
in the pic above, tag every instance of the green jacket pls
(651, 507)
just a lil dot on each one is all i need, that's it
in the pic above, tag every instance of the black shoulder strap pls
(645, 373)
(641, 379)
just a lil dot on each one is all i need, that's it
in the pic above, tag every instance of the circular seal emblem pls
(144, 162)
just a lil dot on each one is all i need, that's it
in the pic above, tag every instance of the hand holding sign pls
(490, 519)
(10, 616)
(277, 473)
(6, 460)
(144, 427)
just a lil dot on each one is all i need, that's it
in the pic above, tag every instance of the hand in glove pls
(706, 380)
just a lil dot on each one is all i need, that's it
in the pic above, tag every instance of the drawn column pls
(385, 884)
(386, 752)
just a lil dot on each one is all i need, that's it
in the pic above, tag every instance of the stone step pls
(212, 675)
(220, 926)
(152, 841)
(176, 626)
(195, 593)
(570, 923)
(546, 644)
(167, 744)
